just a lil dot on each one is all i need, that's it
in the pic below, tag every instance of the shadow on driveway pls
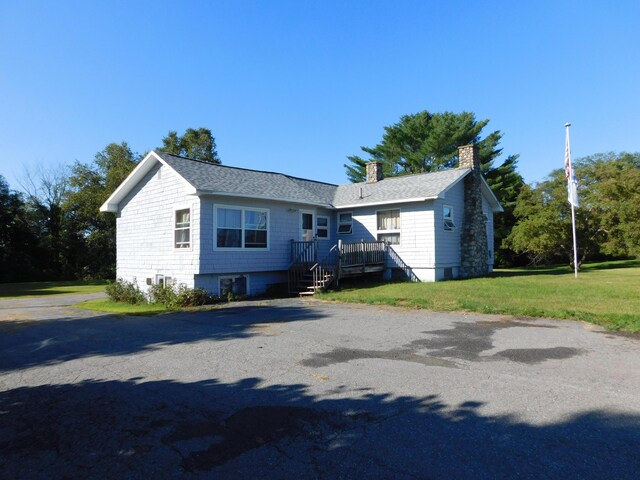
(165, 429)
(36, 343)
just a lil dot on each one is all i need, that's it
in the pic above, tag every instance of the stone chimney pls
(474, 246)
(469, 157)
(374, 172)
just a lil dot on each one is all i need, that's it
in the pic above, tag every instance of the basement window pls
(236, 285)
(162, 280)
(447, 217)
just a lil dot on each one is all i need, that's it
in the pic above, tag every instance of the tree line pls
(53, 228)
(535, 227)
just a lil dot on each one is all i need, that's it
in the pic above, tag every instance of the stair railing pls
(393, 255)
(325, 272)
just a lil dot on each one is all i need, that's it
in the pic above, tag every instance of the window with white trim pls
(182, 229)
(345, 223)
(237, 285)
(322, 227)
(161, 279)
(238, 227)
(388, 222)
(447, 217)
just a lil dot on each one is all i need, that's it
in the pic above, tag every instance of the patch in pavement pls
(537, 355)
(465, 341)
(207, 444)
(342, 355)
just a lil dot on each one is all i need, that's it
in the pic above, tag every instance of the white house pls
(220, 228)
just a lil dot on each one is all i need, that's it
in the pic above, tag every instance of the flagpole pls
(573, 207)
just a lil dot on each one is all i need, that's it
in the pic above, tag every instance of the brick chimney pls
(474, 246)
(374, 172)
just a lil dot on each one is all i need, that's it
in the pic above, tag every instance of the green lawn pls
(37, 289)
(606, 294)
(109, 306)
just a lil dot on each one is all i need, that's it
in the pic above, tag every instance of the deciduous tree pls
(18, 244)
(607, 221)
(198, 144)
(90, 186)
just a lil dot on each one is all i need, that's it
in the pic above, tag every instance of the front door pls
(306, 224)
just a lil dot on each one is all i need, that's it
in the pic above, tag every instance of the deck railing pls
(344, 259)
(305, 253)
(362, 254)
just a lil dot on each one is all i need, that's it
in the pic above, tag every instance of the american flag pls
(572, 183)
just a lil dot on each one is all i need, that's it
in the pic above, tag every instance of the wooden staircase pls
(307, 275)
(309, 285)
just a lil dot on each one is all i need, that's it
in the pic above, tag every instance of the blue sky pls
(296, 86)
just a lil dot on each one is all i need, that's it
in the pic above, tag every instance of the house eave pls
(386, 202)
(262, 197)
(112, 203)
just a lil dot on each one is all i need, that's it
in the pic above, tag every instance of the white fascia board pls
(262, 197)
(138, 173)
(386, 202)
(486, 190)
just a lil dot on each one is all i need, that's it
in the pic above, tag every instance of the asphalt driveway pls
(293, 388)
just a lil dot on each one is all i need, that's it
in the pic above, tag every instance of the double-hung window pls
(389, 226)
(182, 229)
(447, 217)
(238, 227)
(345, 223)
(322, 227)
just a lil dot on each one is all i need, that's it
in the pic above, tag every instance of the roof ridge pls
(409, 175)
(244, 169)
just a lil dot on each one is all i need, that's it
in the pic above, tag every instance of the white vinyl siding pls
(283, 225)
(447, 242)
(417, 237)
(146, 231)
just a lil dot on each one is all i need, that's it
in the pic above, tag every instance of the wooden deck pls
(308, 274)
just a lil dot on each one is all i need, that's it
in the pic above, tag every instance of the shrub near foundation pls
(125, 292)
(173, 296)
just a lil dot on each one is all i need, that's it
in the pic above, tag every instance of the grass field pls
(606, 294)
(38, 289)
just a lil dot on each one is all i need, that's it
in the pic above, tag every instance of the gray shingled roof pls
(209, 178)
(219, 179)
(419, 186)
